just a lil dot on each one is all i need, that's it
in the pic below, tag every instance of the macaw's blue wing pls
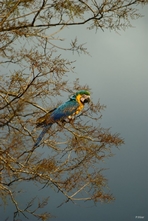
(55, 115)
(63, 111)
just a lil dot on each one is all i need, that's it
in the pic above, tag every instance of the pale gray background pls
(117, 72)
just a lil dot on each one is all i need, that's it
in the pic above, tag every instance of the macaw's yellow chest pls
(81, 105)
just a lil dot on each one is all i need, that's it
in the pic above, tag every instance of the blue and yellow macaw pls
(66, 110)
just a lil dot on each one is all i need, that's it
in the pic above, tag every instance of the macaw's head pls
(83, 96)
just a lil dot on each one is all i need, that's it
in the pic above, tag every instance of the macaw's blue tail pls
(45, 129)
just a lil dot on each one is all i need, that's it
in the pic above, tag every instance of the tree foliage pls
(33, 78)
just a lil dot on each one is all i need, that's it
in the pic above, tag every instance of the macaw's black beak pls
(85, 99)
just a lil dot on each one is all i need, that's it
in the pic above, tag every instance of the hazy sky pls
(117, 73)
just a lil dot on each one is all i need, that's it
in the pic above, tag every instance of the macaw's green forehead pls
(83, 92)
